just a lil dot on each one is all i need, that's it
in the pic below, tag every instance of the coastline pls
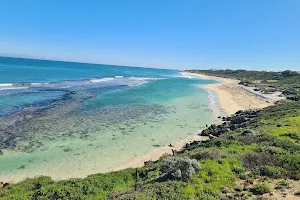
(230, 98)
(222, 102)
(154, 155)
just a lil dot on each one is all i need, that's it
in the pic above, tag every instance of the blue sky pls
(249, 34)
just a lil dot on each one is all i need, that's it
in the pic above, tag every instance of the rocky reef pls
(236, 121)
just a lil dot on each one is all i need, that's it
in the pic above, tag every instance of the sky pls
(186, 34)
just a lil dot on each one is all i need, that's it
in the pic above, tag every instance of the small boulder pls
(211, 137)
(148, 162)
(204, 133)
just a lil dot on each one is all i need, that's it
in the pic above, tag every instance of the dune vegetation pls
(253, 154)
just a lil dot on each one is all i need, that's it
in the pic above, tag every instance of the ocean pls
(69, 120)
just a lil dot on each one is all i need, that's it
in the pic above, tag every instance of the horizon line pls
(91, 63)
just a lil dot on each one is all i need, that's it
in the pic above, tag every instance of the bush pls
(203, 154)
(243, 176)
(294, 136)
(282, 184)
(167, 190)
(287, 145)
(261, 188)
(218, 143)
(272, 172)
(271, 150)
(254, 161)
(250, 139)
(248, 132)
(238, 170)
(214, 177)
(292, 164)
(179, 168)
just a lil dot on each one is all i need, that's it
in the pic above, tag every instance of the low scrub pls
(261, 188)
(272, 172)
(282, 184)
(255, 160)
(179, 168)
(203, 154)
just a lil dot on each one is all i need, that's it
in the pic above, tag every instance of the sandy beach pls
(231, 98)
(157, 153)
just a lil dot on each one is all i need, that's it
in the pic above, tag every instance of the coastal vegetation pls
(252, 154)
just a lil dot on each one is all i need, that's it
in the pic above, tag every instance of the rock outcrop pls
(231, 123)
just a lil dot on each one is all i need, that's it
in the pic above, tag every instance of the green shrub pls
(251, 139)
(272, 172)
(167, 190)
(271, 150)
(294, 136)
(287, 145)
(243, 176)
(282, 184)
(179, 168)
(252, 161)
(218, 143)
(214, 177)
(238, 170)
(211, 153)
(292, 164)
(261, 188)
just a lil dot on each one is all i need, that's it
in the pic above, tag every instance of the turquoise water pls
(73, 119)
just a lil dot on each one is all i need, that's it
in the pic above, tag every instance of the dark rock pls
(213, 126)
(238, 120)
(239, 112)
(211, 137)
(226, 124)
(4, 185)
(205, 132)
(174, 152)
(148, 162)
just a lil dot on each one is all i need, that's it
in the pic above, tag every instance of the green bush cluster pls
(261, 188)
(179, 168)
(282, 184)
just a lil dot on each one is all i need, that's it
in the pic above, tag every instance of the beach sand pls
(157, 153)
(231, 98)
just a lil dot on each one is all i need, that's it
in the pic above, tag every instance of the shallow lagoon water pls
(101, 125)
